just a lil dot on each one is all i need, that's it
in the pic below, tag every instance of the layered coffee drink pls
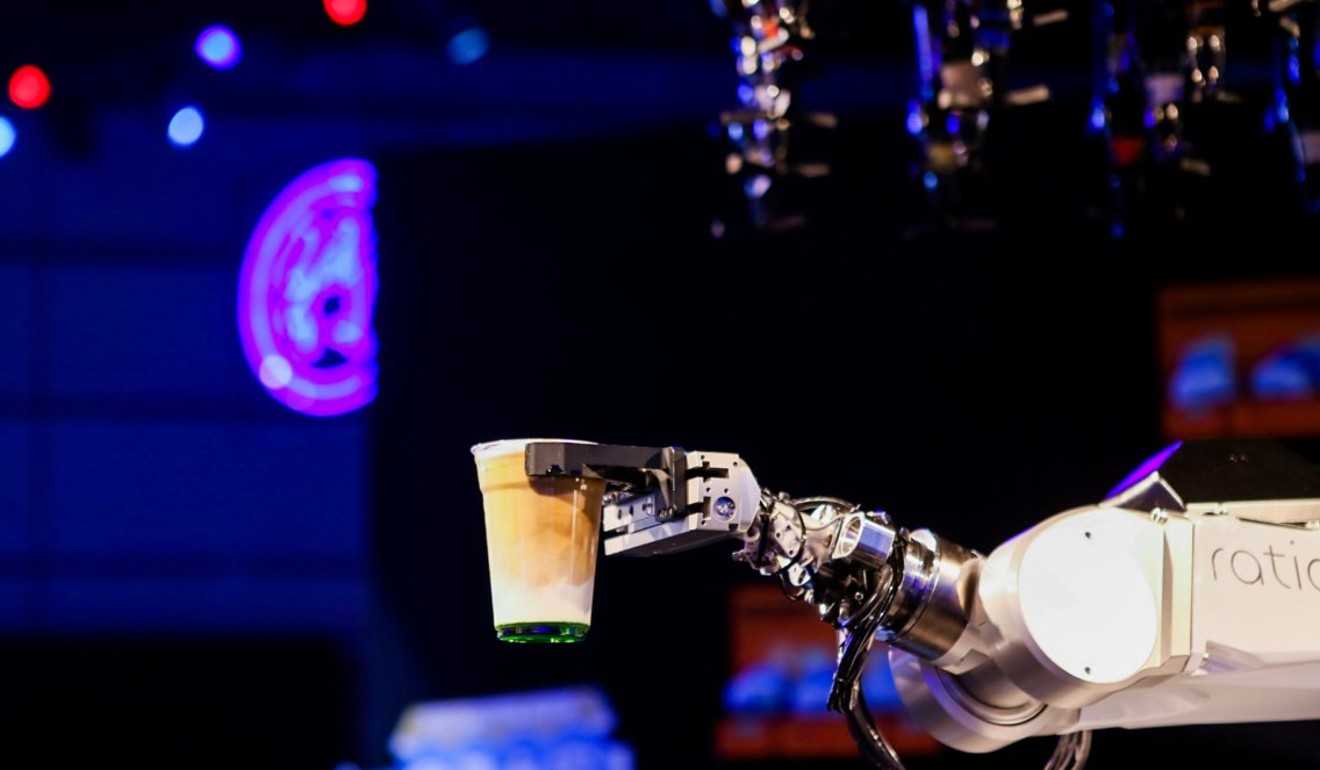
(542, 535)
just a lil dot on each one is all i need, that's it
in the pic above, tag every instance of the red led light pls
(345, 12)
(29, 87)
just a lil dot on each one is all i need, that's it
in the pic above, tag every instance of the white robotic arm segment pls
(1081, 605)
(1115, 616)
(1255, 630)
(1088, 603)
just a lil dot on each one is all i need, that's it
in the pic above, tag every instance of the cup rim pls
(509, 445)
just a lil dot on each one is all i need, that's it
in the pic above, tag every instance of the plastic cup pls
(542, 534)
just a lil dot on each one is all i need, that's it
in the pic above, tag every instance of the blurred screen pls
(1241, 358)
(782, 667)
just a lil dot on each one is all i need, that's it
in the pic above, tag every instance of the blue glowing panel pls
(307, 291)
(16, 338)
(138, 496)
(153, 334)
(233, 604)
(15, 495)
(15, 603)
(186, 127)
(219, 47)
(1148, 467)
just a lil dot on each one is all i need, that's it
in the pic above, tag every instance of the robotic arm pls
(1190, 595)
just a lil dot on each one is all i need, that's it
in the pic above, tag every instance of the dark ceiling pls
(601, 66)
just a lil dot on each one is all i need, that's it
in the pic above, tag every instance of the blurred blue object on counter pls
(561, 729)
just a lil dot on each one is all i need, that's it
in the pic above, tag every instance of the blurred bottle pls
(1230, 135)
(1010, 116)
(775, 146)
(1300, 21)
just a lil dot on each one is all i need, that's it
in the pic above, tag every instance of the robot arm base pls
(944, 707)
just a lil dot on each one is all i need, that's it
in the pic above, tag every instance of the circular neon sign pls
(307, 291)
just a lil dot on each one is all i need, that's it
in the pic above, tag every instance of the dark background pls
(969, 383)
(562, 254)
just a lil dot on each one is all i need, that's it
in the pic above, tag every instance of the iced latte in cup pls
(542, 533)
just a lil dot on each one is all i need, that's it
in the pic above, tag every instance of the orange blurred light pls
(29, 87)
(345, 12)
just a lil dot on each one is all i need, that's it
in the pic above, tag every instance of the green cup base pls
(541, 633)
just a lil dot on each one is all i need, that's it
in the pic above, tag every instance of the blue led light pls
(927, 60)
(7, 136)
(915, 122)
(1098, 116)
(218, 46)
(1277, 113)
(186, 127)
(468, 46)
(756, 187)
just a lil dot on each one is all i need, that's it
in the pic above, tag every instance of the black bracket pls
(634, 470)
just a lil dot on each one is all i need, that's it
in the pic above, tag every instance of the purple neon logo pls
(307, 291)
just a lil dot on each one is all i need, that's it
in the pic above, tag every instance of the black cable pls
(846, 695)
